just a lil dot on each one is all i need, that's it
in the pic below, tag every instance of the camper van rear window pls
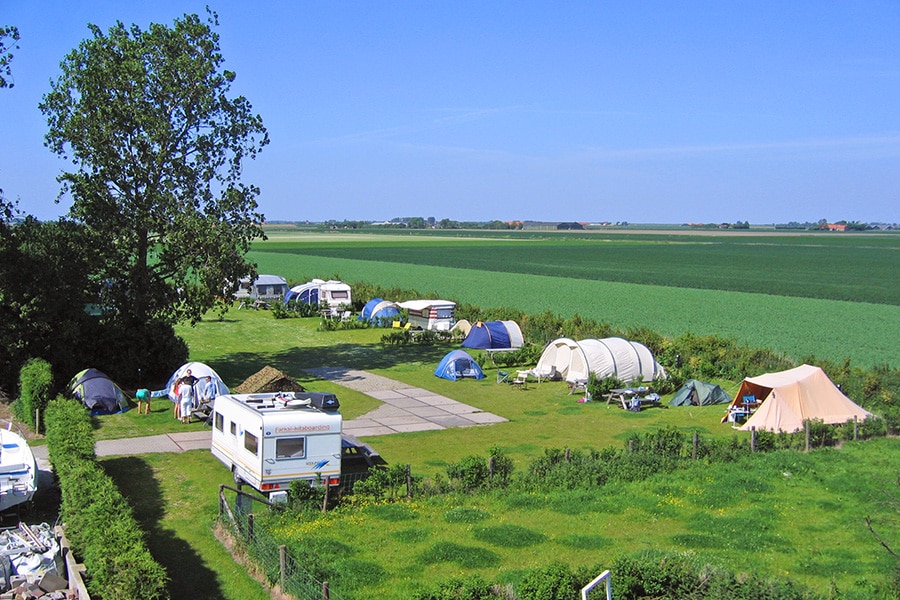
(220, 422)
(286, 448)
(251, 442)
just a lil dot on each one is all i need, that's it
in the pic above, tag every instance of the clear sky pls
(642, 111)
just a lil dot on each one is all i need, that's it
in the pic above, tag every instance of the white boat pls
(18, 470)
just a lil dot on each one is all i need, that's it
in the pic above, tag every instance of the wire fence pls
(272, 558)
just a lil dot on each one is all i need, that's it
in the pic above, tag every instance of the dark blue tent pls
(456, 364)
(98, 392)
(380, 312)
(494, 335)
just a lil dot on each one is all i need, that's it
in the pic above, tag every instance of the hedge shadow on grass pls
(189, 578)
(239, 366)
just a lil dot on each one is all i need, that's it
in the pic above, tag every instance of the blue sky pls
(642, 111)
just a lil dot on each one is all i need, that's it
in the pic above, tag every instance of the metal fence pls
(272, 558)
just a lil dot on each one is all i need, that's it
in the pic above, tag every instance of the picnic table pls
(633, 398)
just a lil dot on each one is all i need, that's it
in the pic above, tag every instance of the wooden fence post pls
(408, 481)
(855, 428)
(282, 565)
(753, 438)
(325, 500)
(325, 593)
(491, 470)
(696, 442)
(806, 427)
(250, 526)
(568, 455)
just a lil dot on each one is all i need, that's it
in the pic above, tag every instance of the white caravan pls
(438, 315)
(269, 440)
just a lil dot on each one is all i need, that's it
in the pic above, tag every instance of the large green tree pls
(158, 142)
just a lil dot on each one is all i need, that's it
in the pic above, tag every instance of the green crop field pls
(805, 296)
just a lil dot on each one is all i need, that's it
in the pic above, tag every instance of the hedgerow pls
(99, 522)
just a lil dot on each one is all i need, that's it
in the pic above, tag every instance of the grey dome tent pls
(699, 393)
(99, 393)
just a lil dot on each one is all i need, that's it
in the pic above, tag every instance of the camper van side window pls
(290, 448)
(251, 442)
(233, 428)
(220, 422)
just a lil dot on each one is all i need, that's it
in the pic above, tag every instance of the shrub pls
(471, 472)
(553, 582)
(472, 587)
(501, 467)
(35, 383)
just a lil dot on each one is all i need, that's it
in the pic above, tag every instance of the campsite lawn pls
(797, 515)
(174, 498)
(786, 514)
(535, 276)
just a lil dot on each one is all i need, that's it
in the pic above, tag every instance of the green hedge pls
(99, 521)
(35, 382)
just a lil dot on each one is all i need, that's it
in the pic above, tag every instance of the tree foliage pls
(9, 37)
(158, 143)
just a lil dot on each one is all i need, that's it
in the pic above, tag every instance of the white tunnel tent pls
(607, 357)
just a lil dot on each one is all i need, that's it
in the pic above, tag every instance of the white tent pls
(561, 356)
(198, 370)
(607, 357)
(793, 396)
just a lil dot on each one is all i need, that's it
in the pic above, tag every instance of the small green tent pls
(699, 393)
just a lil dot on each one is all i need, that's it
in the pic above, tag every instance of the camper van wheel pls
(237, 478)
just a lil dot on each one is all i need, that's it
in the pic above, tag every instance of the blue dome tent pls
(379, 312)
(456, 364)
(494, 335)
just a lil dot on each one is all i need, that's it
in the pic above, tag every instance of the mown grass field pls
(811, 296)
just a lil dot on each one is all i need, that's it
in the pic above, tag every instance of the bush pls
(35, 384)
(471, 472)
(553, 582)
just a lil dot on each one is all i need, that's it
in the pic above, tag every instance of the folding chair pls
(502, 377)
(521, 380)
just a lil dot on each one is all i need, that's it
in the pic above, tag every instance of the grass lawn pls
(174, 497)
(798, 515)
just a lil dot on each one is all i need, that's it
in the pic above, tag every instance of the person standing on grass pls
(208, 391)
(186, 395)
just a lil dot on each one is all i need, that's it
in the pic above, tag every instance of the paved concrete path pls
(405, 408)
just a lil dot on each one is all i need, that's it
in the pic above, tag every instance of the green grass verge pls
(174, 497)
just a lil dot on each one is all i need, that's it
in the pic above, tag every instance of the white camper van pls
(269, 440)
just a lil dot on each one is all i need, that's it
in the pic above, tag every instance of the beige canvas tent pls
(790, 397)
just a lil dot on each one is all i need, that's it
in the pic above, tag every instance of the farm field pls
(687, 283)
(800, 516)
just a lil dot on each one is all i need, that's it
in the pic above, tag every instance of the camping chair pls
(502, 377)
(521, 380)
